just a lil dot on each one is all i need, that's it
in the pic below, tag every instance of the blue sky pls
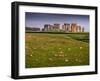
(39, 19)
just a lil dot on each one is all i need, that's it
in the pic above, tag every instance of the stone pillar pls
(82, 29)
(79, 28)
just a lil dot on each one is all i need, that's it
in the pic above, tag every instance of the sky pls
(39, 19)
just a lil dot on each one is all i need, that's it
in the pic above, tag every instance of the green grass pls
(51, 50)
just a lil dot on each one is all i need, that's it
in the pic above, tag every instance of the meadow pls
(56, 49)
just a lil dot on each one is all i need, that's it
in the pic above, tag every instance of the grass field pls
(51, 50)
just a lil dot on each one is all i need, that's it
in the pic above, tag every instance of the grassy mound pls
(51, 50)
